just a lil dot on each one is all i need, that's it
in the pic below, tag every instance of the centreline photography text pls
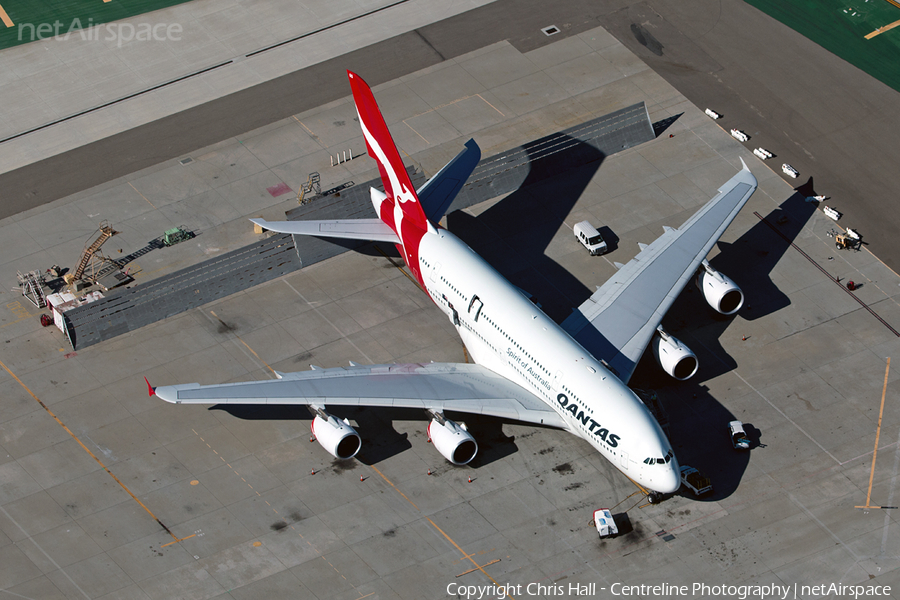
(665, 590)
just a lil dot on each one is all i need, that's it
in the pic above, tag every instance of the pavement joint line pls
(491, 105)
(44, 552)
(18, 320)
(399, 267)
(16, 595)
(245, 345)
(326, 28)
(179, 540)
(827, 274)
(441, 531)
(198, 73)
(473, 569)
(327, 320)
(416, 132)
(88, 450)
(887, 515)
(112, 102)
(887, 370)
(451, 103)
(769, 402)
(322, 556)
(833, 535)
(888, 296)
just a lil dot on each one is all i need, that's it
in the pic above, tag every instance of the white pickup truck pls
(692, 479)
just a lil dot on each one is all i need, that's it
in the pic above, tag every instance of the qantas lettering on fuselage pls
(601, 432)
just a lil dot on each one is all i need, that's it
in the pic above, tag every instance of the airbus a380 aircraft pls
(571, 376)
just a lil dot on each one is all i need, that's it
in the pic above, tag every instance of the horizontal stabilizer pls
(438, 193)
(374, 230)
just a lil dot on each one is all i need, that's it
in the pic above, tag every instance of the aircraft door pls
(435, 271)
(454, 316)
(475, 307)
(557, 380)
(623, 460)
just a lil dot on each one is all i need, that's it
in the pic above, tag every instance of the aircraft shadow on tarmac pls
(512, 235)
(699, 422)
(380, 439)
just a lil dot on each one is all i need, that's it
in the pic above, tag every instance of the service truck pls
(590, 238)
(606, 525)
(692, 479)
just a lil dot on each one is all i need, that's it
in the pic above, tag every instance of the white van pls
(590, 238)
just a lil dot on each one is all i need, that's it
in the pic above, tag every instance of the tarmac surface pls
(106, 492)
(813, 110)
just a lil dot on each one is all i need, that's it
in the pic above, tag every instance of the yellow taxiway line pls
(887, 370)
(475, 565)
(92, 455)
(245, 344)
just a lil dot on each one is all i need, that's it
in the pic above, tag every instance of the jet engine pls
(451, 439)
(673, 356)
(335, 435)
(720, 292)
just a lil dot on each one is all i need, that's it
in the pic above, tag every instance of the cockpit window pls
(660, 461)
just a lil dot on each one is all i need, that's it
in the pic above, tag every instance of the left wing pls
(374, 230)
(618, 321)
(466, 388)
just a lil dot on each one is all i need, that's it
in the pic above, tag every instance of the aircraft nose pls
(671, 481)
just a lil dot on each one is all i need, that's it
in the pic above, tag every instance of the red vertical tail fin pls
(381, 147)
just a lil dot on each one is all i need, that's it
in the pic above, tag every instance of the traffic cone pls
(312, 471)
(470, 480)
(361, 478)
(429, 471)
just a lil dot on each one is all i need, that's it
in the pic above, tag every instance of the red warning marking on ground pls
(279, 190)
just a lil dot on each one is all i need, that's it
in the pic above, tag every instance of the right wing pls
(618, 321)
(374, 230)
(465, 388)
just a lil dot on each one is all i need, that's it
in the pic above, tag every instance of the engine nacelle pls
(673, 356)
(720, 292)
(336, 436)
(450, 438)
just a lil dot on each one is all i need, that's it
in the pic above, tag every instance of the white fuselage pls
(506, 333)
